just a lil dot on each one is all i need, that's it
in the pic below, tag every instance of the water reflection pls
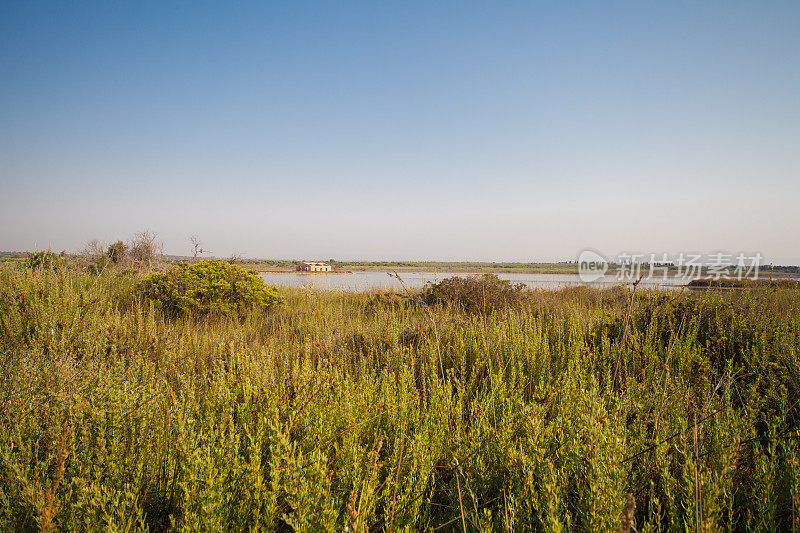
(362, 281)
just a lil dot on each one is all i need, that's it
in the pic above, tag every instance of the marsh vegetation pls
(460, 408)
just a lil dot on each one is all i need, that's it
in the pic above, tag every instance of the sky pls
(498, 131)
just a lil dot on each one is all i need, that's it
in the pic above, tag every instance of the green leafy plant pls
(45, 259)
(209, 287)
(117, 252)
(475, 294)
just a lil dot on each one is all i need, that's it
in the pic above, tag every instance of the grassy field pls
(12, 258)
(571, 410)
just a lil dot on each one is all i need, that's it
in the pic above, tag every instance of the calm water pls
(362, 281)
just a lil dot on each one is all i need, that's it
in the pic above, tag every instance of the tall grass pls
(332, 412)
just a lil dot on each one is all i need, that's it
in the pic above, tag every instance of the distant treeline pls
(788, 269)
(441, 266)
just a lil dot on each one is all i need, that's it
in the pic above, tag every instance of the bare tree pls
(198, 247)
(93, 255)
(145, 248)
(93, 248)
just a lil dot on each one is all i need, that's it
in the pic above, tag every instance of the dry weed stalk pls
(354, 512)
(666, 376)
(52, 503)
(627, 515)
(397, 475)
(461, 504)
(428, 313)
(375, 463)
(625, 327)
(697, 507)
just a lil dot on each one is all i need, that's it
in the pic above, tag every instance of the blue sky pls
(415, 130)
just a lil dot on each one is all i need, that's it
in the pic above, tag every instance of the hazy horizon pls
(455, 131)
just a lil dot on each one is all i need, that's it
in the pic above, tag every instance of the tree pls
(95, 258)
(94, 248)
(145, 249)
(198, 247)
(117, 252)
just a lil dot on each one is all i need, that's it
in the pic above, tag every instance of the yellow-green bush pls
(209, 287)
(44, 259)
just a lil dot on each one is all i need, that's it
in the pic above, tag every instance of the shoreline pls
(762, 276)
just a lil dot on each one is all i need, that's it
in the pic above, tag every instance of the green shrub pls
(98, 264)
(475, 294)
(386, 300)
(209, 287)
(45, 259)
(117, 252)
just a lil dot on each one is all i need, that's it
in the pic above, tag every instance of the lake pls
(363, 281)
